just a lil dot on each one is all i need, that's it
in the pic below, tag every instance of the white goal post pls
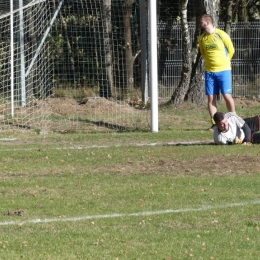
(153, 65)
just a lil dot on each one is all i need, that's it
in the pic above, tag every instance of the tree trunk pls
(180, 92)
(248, 42)
(30, 88)
(129, 58)
(253, 11)
(105, 89)
(70, 51)
(242, 11)
(196, 92)
(212, 8)
(167, 41)
(229, 17)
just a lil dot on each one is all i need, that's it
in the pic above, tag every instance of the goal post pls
(153, 65)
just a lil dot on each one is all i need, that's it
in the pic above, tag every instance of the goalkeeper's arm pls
(247, 132)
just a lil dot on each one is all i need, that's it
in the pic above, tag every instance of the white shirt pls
(234, 132)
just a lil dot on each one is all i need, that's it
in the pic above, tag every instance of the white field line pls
(81, 147)
(137, 214)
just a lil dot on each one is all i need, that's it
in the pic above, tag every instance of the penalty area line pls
(137, 214)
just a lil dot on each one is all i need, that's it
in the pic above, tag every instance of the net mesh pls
(97, 64)
(80, 64)
(26, 66)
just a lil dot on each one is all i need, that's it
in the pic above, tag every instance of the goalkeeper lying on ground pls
(232, 129)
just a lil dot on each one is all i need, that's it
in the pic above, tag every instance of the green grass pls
(121, 185)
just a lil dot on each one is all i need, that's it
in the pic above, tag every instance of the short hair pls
(218, 116)
(207, 17)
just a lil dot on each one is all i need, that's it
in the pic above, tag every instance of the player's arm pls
(247, 132)
(218, 139)
(229, 45)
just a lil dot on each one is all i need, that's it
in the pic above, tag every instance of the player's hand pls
(247, 143)
(238, 140)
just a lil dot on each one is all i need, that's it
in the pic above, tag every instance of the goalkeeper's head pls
(221, 121)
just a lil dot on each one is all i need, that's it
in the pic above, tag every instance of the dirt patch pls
(18, 212)
(247, 103)
(94, 114)
(67, 106)
(67, 113)
(202, 166)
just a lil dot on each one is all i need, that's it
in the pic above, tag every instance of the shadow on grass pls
(190, 143)
(107, 125)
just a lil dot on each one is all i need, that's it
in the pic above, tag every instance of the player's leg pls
(212, 91)
(255, 138)
(230, 104)
(253, 123)
(224, 79)
(212, 105)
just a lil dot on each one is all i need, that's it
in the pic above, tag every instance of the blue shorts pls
(216, 81)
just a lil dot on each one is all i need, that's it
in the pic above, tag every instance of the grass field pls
(130, 195)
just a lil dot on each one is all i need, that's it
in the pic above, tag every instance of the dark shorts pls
(253, 123)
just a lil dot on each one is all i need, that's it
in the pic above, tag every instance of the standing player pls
(217, 50)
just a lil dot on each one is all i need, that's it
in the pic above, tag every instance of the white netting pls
(97, 66)
(76, 64)
(91, 47)
(26, 66)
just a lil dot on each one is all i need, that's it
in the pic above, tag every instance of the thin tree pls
(129, 55)
(229, 17)
(196, 92)
(247, 12)
(106, 85)
(180, 92)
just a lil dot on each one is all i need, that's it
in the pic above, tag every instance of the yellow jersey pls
(217, 50)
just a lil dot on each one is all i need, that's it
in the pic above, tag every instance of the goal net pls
(26, 76)
(97, 61)
(71, 65)
(68, 65)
